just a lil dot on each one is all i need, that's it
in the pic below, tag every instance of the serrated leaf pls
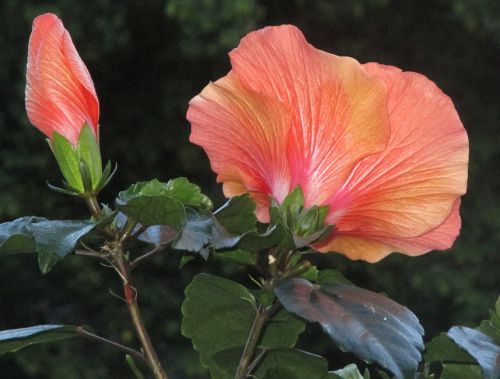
(15, 339)
(218, 315)
(237, 215)
(51, 240)
(443, 349)
(481, 347)
(187, 193)
(149, 204)
(370, 325)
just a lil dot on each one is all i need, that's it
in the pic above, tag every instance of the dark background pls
(147, 59)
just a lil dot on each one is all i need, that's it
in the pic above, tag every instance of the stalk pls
(259, 323)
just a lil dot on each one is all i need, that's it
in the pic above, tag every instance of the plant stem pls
(137, 261)
(130, 292)
(259, 323)
(85, 333)
(93, 206)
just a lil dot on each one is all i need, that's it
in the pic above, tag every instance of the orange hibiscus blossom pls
(383, 148)
(60, 94)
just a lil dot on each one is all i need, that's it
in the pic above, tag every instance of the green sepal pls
(80, 165)
(89, 153)
(67, 159)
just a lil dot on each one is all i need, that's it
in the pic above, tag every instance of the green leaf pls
(443, 349)
(15, 339)
(349, 372)
(148, 203)
(370, 325)
(303, 365)
(15, 236)
(461, 371)
(89, 152)
(186, 259)
(491, 327)
(481, 347)
(187, 193)
(68, 160)
(237, 256)
(311, 274)
(237, 215)
(218, 315)
(331, 276)
(52, 240)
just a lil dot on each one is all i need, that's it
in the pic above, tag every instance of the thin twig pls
(137, 261)
(85, 333)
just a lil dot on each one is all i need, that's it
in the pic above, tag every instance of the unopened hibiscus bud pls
(383, 149)
(62, 103)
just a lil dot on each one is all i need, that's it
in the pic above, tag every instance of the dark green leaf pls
(185, 260)
(238, 256)
(370, 325)
(15, 236)
(331, 276)
(148, 203)
(461, 371)
(481, 347)
(303, 365)
(443, 349)
(311, 274)
(491, 327)
(15, 339)
(187, 193)
(218, 315)
(237, 215)
(52, 240)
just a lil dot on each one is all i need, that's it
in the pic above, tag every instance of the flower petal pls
(60, 94)
(338, 109)
(373, 250)
(409, 189)
(245, 137)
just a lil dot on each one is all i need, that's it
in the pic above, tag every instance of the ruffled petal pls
(245, 136)
(409, 189)
(338, 109)
(374, 249)
(60, 95)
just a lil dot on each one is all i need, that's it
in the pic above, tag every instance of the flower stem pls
(259, 323)
(123, 265)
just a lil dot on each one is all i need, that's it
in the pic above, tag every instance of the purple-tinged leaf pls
(370, 325)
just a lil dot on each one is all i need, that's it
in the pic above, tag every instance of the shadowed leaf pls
(218, 315)
(370, 325)
(15, 339)
(481, 347)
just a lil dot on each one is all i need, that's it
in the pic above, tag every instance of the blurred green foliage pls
(147, 60)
